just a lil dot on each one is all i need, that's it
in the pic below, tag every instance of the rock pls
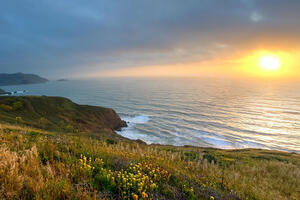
(62, 79)
(141, 142)
(114, 120)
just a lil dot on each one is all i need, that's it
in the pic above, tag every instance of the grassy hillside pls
(58, 114)
(37, 164)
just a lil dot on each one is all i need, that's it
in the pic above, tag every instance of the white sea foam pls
(132, 133)
(139, 119)
(217, 142)
(248, 144)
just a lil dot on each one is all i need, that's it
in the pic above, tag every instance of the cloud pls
(63, 38)
(256, 17)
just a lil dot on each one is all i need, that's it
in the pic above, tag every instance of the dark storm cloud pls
(62, 37)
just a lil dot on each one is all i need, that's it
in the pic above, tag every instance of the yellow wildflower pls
(135, 197)
(144, 195)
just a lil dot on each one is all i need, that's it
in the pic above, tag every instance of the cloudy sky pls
(63, 38)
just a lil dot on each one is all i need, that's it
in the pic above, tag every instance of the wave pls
(139, 119)
(132, 132)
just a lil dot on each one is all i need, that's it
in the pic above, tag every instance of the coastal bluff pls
(58, 114)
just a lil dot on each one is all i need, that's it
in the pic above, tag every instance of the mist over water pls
(199, 112)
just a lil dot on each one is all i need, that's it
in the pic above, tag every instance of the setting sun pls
(269, 63)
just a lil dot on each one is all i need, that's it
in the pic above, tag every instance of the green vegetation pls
(37, 164)
(53, 162)
(58, 114)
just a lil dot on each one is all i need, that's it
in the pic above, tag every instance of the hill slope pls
(37, 164)
(20, 79)
(58, 114)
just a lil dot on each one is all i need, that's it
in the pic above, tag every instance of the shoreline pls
(142, 140)
(119, 132)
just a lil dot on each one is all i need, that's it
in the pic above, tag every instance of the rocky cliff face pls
(93, 118)
(113, 120)
(57, 113)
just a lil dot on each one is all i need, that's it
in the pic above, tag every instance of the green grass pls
(37, 164)
(57, 114)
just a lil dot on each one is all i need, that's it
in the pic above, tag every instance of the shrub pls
(210, 158)
(17, 105)
(110, 141)
(69, 128)
(19, 119)
(5, 107)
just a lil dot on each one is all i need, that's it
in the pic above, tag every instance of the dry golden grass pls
(35, 164)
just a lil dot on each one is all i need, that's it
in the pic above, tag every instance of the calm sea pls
(199, 112)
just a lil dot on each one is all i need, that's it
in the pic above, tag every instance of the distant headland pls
(2, 91)
(20, 79)
(63, 79)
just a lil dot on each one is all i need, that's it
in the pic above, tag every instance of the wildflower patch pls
(138, 181)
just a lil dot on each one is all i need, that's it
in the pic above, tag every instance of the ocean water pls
(201, 112)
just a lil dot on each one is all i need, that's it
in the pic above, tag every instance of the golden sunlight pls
(269, 63)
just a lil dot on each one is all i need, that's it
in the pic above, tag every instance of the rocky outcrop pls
(114, 121)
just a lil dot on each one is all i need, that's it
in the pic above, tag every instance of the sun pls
(269, 63)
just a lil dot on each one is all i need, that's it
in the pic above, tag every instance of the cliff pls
(20, 79)
(57, 113)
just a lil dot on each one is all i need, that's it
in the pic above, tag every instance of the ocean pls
(221, 113)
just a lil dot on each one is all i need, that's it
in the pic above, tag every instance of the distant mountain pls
(20, 79)
(63, 79)
(2, 91)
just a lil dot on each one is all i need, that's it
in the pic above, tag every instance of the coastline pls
(87, 149)
(140, 121)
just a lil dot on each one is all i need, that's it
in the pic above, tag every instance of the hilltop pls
(52, 148)
(58, 114)
(20, 79)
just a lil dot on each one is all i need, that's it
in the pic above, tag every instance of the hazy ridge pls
(20, 79)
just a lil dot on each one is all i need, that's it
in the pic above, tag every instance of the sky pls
(80, 38)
